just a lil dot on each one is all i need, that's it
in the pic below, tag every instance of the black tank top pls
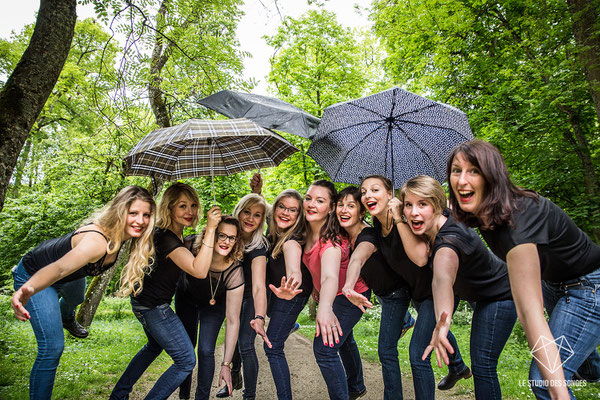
(53, 249)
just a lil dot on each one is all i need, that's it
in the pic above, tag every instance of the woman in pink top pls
(326, 255)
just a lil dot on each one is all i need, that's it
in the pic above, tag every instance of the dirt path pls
(307, 382)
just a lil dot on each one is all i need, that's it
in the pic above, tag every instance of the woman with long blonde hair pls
(57, 269)
(178, 208)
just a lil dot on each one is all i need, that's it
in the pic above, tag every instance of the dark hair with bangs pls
(353, 192)
(500, 195)
(331, 228)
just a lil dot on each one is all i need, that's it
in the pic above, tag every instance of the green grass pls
(89, 368)
(513, 365)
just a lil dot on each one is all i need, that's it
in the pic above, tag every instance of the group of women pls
(418, 250)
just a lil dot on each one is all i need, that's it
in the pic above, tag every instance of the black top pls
(376, 272)
(200, 291)
(53, 249)
(481, 275)
(159, 285)
(247, 266)
(565, 251)
(417, 278)
(276, 271)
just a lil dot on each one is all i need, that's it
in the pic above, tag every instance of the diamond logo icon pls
(540, 352)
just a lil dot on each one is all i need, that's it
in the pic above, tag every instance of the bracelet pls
(259, 317)
(204, 244)
(402, 220)
(227, 364)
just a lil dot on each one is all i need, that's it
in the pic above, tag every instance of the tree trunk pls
(23, 96)
(93, 296)
(157, 62)
(22, 163)
(586, 29)
(312, 308)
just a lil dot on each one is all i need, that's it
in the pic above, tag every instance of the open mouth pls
(466, 196)
(344, 218)
(311, 212)
(416, 225)
(224, 247)
(137, 229)
(249, 225)
(371, 205)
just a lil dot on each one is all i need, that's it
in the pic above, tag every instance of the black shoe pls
(356, 395)
(450, 380)
(236, 382)
(295, 328)
(75, 328)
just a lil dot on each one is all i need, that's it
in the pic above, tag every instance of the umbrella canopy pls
(204, 147)
(394, 133)
(267, 112)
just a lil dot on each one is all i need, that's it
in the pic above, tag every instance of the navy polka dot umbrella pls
(394, 133)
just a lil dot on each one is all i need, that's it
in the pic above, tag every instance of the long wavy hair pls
(331, 228)
(237, 251)
(499, 199)
(168, 200)
(248, 201)
(353, 192)
(112, 218)
(297, 231)
(427, 188)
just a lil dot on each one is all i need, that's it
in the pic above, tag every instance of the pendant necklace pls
(212, 300)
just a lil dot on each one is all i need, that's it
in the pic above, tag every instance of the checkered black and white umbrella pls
(206, 148)
(394, 133)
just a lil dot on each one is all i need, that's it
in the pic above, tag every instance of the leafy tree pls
(510, 66)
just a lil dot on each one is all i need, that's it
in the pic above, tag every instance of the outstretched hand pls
(258, 324)
(439, 341)
(328, 326)
(357, 299)
(19, 300)
(288, 289)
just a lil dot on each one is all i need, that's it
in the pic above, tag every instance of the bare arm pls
(416, 248)
(326, 322)
(525, 282)
(233, 307)
(259, 295)
(198, 266)
(445, 268)
(359, 257)
(90, 248)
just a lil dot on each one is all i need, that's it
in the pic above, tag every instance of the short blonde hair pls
(427, 188)
(246, 202)
(167, 202)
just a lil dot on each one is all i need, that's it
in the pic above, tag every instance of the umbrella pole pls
(212, 172)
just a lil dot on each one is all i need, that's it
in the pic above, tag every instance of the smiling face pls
(420, 214)
(467, 184)
(250, 218)
(317, 203)
(286, 213)
(184, 212)
(375, 196)
(348, 212)
(225, 239)
(138, 218)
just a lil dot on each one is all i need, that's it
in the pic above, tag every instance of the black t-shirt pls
(481, 276)
(276, 271)
(376, 272)
(417, 278)
(247, 266)
(53, 249)
(565, 251)
(200, 291)
(159, 285)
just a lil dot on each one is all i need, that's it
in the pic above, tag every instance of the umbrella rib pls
(396, 121)
(375, 121)
(416, 144)
(355, 146)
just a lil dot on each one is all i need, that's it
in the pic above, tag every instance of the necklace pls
(212, 300)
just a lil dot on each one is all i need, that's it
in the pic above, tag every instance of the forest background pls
(527, 73)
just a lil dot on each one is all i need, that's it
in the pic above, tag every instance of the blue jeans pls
(165, 332)
(394, 308)
(490, 329)
(246, 348)
(46, 312)
(283, 317)
(423, 378)
(340, 364)
(202, 323)
(574, 308)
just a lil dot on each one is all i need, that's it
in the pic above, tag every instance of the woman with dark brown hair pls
(550, 262)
